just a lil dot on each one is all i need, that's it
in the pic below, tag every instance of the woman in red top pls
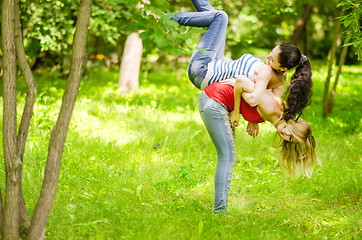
(220, 107)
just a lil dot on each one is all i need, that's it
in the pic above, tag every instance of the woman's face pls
(285, 133)
(273, 60)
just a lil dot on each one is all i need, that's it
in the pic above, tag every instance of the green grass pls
(141, 166)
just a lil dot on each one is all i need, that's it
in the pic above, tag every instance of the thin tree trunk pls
(11, 159)
(300, 25)
(342, 59)
(59, 133)
(330, 67)
(27, 112)
(31, 87)
(131, 62)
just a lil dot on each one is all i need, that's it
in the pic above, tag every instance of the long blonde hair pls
(299, 158)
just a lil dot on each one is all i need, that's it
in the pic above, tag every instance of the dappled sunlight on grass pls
(125, 124)
(291, 211)
(357, 69)
(143, 164)
(164, 161)
(88, 125)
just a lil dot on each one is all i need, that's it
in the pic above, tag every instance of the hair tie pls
(303, 59)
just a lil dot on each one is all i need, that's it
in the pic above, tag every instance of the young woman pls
(216, 104)
(217, 99)
(208, 66)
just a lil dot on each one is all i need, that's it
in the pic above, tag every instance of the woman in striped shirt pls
(207, 64)
(217, 100)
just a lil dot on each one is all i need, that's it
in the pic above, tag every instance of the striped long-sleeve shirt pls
(220, 69)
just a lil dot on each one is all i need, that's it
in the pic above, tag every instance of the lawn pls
(141, 166)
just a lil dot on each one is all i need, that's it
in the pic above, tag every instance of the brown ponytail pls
(300, 87)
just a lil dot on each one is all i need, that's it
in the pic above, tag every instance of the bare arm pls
(235, 114)
(262, 78)
(242, 84)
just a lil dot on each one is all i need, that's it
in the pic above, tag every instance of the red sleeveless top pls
(224, 93)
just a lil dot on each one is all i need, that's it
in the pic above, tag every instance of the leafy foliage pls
(352, 20)
(48, 26)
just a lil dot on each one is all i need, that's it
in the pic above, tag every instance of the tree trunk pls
(27, 112)
(131, 62)
(59, 133)
(342, 59)
(11, 159)
(300, 25)
(330, 67)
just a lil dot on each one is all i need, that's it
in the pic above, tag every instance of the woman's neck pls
(271, 108)
(277, 80)
(270, 115)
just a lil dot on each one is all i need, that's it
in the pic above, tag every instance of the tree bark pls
(11, 159)
(27, 112)
(342, 59)
(131, 62)
(58, 134)
(330, 67)
(300, 25)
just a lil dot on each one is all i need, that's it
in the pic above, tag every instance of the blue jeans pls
(212, 43)
(216, 119)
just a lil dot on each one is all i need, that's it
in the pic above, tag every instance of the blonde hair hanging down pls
(299, 158)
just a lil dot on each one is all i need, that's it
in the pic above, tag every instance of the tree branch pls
(330, 67)
(30, 83)
(300, 25)
(59, 133)
(342, 59)
(27, 112)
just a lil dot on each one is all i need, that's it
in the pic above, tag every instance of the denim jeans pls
(212, 43)
(216, 119)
